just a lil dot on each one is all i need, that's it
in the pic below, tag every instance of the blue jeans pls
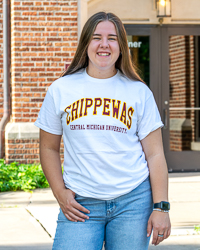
(120, 222)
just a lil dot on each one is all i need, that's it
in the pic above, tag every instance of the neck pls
(101, 74)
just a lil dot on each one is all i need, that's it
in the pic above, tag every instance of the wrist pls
(57, 192)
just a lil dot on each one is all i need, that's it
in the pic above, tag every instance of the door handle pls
(165, 118)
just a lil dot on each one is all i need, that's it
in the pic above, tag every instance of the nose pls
(104, 43)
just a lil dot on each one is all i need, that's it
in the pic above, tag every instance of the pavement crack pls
(39, 223)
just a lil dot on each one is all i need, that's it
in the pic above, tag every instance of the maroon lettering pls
(116, 109)
(68, 118)
(123, 114)
(130, 114)
(75, 110)
(88, 104)
(106, 106)
(81, 109)
(97, 103)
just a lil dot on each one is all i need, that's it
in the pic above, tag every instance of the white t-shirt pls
(102, 122)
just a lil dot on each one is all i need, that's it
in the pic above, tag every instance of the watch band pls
(158, 209)
(163, 205)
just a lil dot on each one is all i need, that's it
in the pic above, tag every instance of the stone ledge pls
(21, 130)
(180, 124)
(195, 146)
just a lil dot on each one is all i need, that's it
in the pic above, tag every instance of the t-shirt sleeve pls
(149, 119)
(48, 120)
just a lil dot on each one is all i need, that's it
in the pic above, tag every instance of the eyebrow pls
(108, 35)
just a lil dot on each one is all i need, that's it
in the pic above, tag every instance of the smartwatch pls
(163, 205)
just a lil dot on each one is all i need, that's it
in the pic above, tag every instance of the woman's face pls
(103, 50)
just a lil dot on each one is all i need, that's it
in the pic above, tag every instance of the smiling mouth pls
(103, 54)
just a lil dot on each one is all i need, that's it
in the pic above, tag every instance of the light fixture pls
(163, 8)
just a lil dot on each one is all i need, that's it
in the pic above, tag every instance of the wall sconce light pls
(163, 8)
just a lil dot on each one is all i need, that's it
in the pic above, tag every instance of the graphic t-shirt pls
(102, 122)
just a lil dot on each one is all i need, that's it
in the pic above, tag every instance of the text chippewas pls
(111, 107)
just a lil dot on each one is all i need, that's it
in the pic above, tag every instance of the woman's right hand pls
(70, 207)
(51, 165)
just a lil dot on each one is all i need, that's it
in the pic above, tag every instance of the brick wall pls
(22, 150)
(182, 90)
(43, 38)
(1, 58)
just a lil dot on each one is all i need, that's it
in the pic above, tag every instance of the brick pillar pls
(43, 37)
(1, 61)
(182, 92)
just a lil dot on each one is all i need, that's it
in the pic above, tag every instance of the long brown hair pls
(123, 63)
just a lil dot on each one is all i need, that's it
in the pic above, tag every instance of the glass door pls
(181, 97)
(139, 47)
(143, 42)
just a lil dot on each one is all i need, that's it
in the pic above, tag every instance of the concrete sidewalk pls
(28, 221)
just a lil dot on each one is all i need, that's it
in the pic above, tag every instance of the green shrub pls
(15, 176)
(197, 228)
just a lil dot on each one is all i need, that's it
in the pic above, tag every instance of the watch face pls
(165, 206)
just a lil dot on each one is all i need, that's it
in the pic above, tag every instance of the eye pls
(96, 38)
(113, 39)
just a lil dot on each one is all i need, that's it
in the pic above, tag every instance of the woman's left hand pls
(160, 223)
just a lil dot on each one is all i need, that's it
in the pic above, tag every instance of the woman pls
(111, 130)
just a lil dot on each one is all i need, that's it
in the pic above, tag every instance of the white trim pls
(21, 130)
(82, 15)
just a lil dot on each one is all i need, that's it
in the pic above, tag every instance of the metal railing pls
(184, 108)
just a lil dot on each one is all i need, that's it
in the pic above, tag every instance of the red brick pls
(53, 8)
(35, 151)
(28, 64)
(10, 141)
(39, 64)
(29, 104)
(46, 74)
(38, 39)
(54, 19)
(37, 99)
(31, 145)
(33, 120)
(62, 14)
(35, 140)
(21, 110)
(29, 74)
(37, 69)
(21, 8)
(31, 156)
(37, 49)
(38, 59)
(15, 157)
(10, 151)
(74, 3)
(21, 120)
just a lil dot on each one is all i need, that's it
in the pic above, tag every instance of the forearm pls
(51, 165)
(158, 177)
